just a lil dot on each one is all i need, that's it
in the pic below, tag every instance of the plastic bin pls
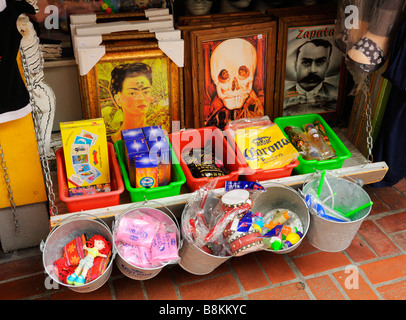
(308, 166)
(198, 138)
(249, 174)
(94, 201)
(178, 178)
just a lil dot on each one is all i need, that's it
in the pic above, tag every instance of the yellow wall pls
(20, 149)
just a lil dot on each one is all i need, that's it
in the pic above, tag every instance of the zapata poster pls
(312, 71)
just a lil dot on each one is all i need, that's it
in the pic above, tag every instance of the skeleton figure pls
(43, 96)
(232, 66)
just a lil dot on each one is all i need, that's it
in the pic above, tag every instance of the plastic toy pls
(96, 246)
(257, 221)
(281, 217)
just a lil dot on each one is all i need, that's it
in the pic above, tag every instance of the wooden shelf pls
(356, 167)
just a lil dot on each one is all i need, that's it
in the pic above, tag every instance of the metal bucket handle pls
(73, 217)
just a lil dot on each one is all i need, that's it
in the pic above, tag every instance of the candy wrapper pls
(208, 217)
(144, 241)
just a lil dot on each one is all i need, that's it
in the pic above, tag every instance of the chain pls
(36, 116)
(368, 113)
(9, 190)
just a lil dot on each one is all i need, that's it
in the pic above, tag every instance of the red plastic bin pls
(248, 174)
(93, 201)
(198, 138)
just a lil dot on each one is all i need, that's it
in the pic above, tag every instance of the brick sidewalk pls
(377, 252)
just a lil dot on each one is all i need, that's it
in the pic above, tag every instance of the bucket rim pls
(72, 218)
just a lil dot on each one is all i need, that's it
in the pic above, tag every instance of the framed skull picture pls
(233, 71)
(312, 72)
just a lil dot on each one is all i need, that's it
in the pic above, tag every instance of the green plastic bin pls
(309, 166)
(137, 194)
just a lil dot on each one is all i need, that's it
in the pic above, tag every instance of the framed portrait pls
(311, 70)
(213, 23)
(233, 72)
(131, 89)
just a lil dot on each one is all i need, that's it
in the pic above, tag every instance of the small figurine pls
(97, 247)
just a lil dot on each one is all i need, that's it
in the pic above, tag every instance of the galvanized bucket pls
(129, 269)
(281, 196)
(67, 230)
(194, 259)
(332, 236)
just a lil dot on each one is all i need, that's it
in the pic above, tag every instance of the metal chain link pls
(368, 114)
(9, 190)
(36, 116)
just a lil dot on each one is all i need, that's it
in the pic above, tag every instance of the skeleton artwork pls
(43, 97)
(232, 66)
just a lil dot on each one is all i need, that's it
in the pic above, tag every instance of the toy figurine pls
(97, 247)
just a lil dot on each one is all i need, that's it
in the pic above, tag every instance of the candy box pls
(153, 133)
(162, 151)
(132, 134)
(146, 172)
(134, 150)
(85, 151)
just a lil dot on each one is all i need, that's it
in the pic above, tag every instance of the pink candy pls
(164, 247)
(138, 232)
(145, 242)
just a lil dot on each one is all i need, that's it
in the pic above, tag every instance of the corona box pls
(265, 147)
(85, 151)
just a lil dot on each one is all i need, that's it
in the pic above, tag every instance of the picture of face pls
(312, 62)
(233, 67)
(131, 89)
(312, 71)
(133, 94)
(198, 7)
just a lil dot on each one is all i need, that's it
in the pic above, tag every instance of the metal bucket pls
(136, 272)
(195, 260)
(281, 196)
(332, 236)
(70, 228)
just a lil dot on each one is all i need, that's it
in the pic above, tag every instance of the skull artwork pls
(232, 66)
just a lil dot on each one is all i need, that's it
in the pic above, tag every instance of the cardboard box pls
(162, 151)
(146, 168)
(153, 133)
(134, 150)
(132, 134)
(85, 150)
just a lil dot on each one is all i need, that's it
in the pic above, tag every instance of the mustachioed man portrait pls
(312, 72)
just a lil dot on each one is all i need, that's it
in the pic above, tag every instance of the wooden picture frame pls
(186, 36)
(322, 92)
(259, 39)
(98, 93)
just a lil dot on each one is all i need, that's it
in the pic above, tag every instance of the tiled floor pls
(372, 268)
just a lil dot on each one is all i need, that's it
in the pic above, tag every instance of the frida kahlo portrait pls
(133, 94)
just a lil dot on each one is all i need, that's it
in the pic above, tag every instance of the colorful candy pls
(281, 217)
